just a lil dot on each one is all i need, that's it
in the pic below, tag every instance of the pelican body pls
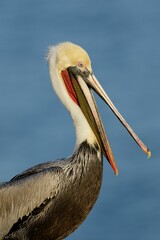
(50, 200)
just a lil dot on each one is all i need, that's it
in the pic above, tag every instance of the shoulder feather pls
(19, 197)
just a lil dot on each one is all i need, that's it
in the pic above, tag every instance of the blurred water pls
(123, 40)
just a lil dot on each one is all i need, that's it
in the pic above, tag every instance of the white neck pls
(83, 130)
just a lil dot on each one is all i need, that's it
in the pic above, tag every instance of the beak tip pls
(148, 153)
(116, 171)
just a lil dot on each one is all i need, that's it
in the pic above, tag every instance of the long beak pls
(93, 82)
(82, 84)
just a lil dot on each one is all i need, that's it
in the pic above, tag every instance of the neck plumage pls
(83, 129)
(85, 162)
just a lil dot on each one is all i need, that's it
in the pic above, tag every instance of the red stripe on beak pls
(68, 84)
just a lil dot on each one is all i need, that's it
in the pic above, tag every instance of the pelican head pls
(73, 79)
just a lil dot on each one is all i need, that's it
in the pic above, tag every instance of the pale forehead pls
(70, 54)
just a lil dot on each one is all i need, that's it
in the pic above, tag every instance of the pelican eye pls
(80, 65)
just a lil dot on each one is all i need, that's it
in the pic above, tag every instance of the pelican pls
(49, 201)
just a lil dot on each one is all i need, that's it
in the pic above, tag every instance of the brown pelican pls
(49, 201)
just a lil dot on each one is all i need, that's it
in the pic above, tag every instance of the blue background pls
(123, 40)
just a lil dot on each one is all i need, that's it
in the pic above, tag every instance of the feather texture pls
(28, 214)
